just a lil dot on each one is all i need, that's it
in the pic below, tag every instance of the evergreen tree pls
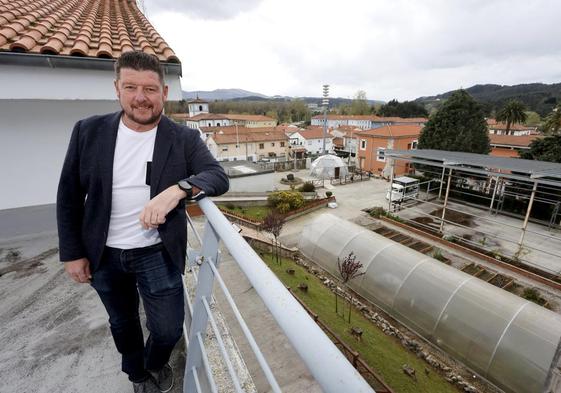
(546, 149)
(403, 109)
(459, 125)
(511, 113)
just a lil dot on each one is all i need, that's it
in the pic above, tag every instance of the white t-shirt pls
(130, 192)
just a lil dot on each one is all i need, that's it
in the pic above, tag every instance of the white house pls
(311, 139)
(51, 79)
(365, 122)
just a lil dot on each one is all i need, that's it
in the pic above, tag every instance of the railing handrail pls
(328, 365)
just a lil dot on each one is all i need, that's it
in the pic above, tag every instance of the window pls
(381, 154)
(200, 108)
(261, 146)
(363, 144)
(272, 144)
(225, 148)
(282, 144)
(414, 144)
(218, 124)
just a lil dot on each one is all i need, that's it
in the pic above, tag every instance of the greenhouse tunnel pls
(508, 340)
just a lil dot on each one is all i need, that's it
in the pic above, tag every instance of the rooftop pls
(249, 137)
(80, 28)
(393, 131)
(513, 140)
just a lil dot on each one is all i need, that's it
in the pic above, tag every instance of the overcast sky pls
(389, 48)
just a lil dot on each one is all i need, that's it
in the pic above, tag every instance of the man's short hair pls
(139, 61)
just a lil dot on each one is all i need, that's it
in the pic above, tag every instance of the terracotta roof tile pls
(495, 125)
(249, 137)
(88, 28)
(249, 117)
(513, 140)
(394, 131)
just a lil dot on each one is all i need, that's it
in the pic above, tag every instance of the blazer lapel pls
(162, 145)
(107, 155)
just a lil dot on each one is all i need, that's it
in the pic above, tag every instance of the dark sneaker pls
(146, 386)
(163, 378)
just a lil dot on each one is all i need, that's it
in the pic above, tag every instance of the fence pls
(327, 364)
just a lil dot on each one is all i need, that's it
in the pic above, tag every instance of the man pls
(121, 215)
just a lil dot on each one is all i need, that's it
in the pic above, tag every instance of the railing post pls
(209, 254)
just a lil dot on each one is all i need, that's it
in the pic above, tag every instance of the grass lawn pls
(383, 353)
(256, 212)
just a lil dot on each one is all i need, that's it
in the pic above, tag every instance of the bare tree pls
(348, 269)
(273, 224)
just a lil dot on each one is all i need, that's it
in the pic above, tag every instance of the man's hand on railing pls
(79, 270)
(155, 211)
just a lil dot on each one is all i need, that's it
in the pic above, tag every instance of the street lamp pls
(325, 104)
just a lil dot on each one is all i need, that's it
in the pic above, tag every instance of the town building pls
(499, 128)
(311, 139)
(365, 122)
(206, 120)
(197, 107)
(510, 145)
(249, 145)
(56, 67)
(373, 143)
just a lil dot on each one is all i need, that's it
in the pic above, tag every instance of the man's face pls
(141, 96)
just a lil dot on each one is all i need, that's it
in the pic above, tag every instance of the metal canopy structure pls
(540, 171)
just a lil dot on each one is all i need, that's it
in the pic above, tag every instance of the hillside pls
(221, 94)
(538, 97)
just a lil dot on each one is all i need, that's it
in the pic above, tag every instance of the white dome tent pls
(329, 166)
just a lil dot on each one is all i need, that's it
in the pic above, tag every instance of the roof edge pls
(84, 63)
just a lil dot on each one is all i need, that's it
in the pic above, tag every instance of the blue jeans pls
(120, 278)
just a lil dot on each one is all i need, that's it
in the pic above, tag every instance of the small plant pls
(348, 269)
(376, 212)
(483, 241)
(285, 201)
(437, 254)
(230, 206)
(532, 295)
(450, 238)
(307, 187)
(328, 194)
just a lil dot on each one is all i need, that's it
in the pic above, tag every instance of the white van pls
(403, 187)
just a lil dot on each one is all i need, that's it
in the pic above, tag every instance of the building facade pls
(373, 143)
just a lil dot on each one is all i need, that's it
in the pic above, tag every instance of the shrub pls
(290, 177)
(230, 206)
(328, 193)
(307, 187)
(376, 212)
(532, 295)
(285, 201)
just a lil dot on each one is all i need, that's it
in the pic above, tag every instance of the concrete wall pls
(34, 138)
(254, 183)
(27, 82)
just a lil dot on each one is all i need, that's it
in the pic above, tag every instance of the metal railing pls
(327, 364)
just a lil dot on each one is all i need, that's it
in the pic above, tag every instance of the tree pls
(403, 109)
(553, 122)
(459, 125)
(273, 224)
(546, 149)
(512, 113)
(359, 105)
(348, 269)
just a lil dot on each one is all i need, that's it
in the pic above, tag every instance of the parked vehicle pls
(402, 188)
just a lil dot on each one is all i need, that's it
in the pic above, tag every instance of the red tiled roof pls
(238, 129)
(249, 137)
(374, 118)
(207, 116)
(84, 28)
(494, 125)
(197, 101)
(393, 131)
(513, 140)
(248, 117)
(313, 133)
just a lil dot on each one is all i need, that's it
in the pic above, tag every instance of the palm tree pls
(512, 112)
(553, 121)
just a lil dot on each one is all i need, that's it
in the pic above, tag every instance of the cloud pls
(205, 9)
(391, 49)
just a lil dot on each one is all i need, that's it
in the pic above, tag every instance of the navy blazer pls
(85, 187)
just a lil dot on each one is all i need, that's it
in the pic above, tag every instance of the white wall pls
(34, 136)
(28, 82)
(255, 183)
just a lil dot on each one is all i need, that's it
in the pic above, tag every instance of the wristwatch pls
(185, 186)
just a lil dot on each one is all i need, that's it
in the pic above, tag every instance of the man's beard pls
(151, 120)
